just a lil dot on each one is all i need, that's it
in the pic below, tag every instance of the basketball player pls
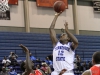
(63, 50)
(95, 70)
(28, 64)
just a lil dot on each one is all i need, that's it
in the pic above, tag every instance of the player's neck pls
(64, 42)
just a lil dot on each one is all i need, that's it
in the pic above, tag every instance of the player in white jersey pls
(63, 50)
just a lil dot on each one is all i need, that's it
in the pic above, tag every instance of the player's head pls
(23, 65)
(64, 37)
(96, 58)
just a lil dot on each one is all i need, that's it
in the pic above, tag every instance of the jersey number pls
(60, 58)
(60, 53)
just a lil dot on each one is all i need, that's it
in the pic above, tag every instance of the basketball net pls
(4, 5)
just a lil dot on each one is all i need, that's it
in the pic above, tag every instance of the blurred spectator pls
(45, 68)
(12, 72)
(12, 54)
(4, 72)
(84, 66)
(37, 66)
(50, 57)
(6, 61)
(77, 63)
(38, 61)
(48, 61)
(13, 61)
(77, 59)
(90, 64)
(32, 57)
(7, 69)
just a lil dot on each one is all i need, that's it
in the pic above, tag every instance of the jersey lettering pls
(62, 48)
(60, 53)
(60, 58)
(63, 55)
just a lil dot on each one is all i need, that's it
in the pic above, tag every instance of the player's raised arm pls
(52, 31)
(28, 61)
(71, 36)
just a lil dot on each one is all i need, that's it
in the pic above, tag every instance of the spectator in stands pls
(45, 68)
(38, 61)
(7, 69)
(90, 64)
(13, 61)
(12, 72)
(32, 57)
(84, 66)
(77, 59)
(4, 71)
(95, 69)
(78, 66)
(48, 61)
(50, 57)
(37, 66)
(12, 54)
(77, 63)
(6, 61)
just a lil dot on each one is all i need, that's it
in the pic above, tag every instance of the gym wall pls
(41, 18)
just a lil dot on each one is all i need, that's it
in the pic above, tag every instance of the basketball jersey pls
(63, 57)
(37, 72)
(95, 70)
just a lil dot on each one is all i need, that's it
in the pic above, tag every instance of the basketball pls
(59, 6)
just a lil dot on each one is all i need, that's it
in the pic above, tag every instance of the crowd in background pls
(45, 65)
(9, 62)
(81, 65)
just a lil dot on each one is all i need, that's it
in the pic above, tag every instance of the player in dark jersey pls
(28, 64)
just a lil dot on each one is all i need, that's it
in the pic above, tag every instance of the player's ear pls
(93, 62)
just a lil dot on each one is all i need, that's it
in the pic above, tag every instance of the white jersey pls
(63, 57)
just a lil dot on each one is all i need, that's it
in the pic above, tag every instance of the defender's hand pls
(24, 48)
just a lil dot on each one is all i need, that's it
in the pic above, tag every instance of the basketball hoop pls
(4, 5)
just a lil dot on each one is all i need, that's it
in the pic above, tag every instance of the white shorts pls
(57, 73)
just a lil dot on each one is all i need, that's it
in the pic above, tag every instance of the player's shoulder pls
(69, 43)
(87, 72)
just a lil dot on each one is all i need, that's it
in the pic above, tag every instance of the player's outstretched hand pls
(24, 48)
(63, 71)
(57, 14)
